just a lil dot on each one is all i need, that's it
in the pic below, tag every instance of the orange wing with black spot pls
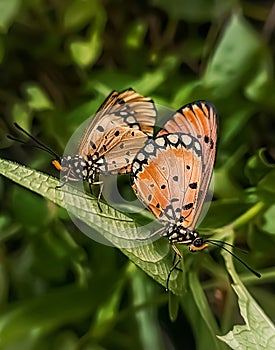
(119, 129)
(172, 172)
(198, 119)
(166, 176)
(118, 146)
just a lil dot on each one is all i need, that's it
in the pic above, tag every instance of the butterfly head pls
(197, 244)
(177, 233)
(74, 168)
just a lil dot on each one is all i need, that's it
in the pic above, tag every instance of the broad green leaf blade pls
(173, 306)
(154, 258)
(206, 319)
(8, 11)
(234, 58)
(201, 301)
(258, 333)
(205, 337)
(147, 317)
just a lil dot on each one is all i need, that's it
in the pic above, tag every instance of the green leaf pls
(225, 187)
(257, 167)
(79, 13)
(151, 80)
(262, 82)
(37, 98)
(173, 306)
(103, 80)
(235, 121)
(86, 52)
(22, 201)
(233, 59)
(22, 114)
(8, 11)
(266, 188)
(258, 332)
(154, 258)
(269, 223)
(206, 316)
(196, 307)
(147, 318)
(136, 34)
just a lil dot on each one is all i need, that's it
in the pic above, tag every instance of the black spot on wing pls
(100, 128)
(188, 206)
(206, 138)
(193, 185)
(92, 144)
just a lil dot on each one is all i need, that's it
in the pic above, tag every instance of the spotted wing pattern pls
(171, 173)
(118, 131)
(118, 148)
(198, 119)
(127, 109)
(167, 174)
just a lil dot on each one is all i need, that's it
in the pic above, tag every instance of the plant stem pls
(248, 215)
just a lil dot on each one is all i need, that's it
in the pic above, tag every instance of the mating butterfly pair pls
(171, 172)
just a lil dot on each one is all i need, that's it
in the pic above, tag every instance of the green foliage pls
(258, 331)
(60, 289)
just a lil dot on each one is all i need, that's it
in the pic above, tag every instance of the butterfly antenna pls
(234, 256)
(230, 245)
(39, 145)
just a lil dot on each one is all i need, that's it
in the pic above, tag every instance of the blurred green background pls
(58, 61)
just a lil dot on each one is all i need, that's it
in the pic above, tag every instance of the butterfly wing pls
(198, 119)
(114, 153)
(125, 109)
(167, 176)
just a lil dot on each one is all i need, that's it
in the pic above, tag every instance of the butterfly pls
(118, 131)
(172, 172)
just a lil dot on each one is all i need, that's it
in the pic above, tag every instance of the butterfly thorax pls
(177, 233)
(76, 168)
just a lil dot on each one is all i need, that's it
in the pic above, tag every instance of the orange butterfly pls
(172, 172)
(118, 131)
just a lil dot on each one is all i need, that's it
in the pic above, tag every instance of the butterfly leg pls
(174, 266)
(60, 186)
(174, 261)
(101, 185)
(152, 236)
